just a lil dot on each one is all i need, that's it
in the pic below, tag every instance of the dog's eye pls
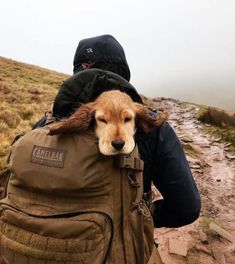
(102, 120)
(127, 119)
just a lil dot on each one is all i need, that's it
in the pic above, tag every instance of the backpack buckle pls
(129, 162)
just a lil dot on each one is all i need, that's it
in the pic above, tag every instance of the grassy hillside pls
(26, 93)
(220, 123)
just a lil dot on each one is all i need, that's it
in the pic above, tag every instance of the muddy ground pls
(213, 168)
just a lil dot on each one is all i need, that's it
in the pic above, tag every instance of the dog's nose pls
(118, 144)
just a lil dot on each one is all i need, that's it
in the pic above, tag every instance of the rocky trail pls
(211, 239)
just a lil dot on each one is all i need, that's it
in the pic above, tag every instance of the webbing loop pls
(129, 162)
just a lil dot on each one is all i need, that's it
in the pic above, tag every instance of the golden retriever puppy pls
(116, 117)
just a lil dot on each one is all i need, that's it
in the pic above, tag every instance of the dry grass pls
(26, 93)
(222, 123)
(217, 117)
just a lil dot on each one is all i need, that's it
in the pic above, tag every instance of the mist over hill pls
(213, 90)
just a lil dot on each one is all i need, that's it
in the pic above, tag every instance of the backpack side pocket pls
(81, 237)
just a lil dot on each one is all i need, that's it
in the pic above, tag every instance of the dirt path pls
(213, 168)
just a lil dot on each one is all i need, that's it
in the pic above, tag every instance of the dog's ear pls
(147, 121)
(79, 121)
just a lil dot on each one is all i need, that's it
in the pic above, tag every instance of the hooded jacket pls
(102, 52)
(85, 86)
(165, 164)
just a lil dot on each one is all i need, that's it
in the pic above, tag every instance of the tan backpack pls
(67, 203)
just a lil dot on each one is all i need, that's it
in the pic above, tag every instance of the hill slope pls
(26, 93)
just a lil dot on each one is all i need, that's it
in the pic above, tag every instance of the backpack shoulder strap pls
(45, 120)
(4, 178)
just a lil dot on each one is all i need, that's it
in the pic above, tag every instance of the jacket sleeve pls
(166, 166)
(172, 177)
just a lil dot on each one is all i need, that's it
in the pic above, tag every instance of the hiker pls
(66, 202)
(165, 164)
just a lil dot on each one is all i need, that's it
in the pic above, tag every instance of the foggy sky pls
(175, 48)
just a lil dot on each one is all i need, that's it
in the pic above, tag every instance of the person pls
(165, 164)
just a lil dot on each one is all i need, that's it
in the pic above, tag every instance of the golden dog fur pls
(116, 118)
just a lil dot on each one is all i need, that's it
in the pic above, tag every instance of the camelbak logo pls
(48, 156)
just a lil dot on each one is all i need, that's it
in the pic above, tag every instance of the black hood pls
(102, 52)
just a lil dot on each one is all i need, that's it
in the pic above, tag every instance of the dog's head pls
(116, 117)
